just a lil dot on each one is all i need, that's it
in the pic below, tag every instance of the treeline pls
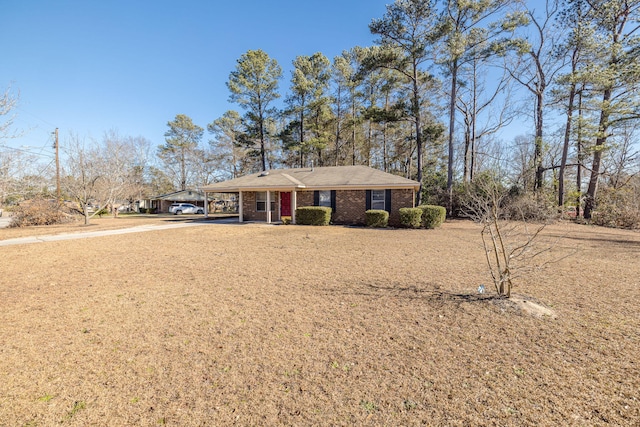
(443, 81)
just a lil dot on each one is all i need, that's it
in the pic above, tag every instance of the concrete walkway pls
(89, 234)
(4, 221)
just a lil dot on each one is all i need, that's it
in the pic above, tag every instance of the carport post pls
(268, 207)
(294, 204)
(206, 205)
(240, 206)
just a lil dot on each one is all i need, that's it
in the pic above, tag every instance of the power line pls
(34, 116)
(22, 150)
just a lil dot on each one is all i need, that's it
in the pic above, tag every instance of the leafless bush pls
(512, 247)
(528, 207)
(39, 212)
(619, 208)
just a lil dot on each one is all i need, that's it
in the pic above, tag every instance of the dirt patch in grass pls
(288, 325)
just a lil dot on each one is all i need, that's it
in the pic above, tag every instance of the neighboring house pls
(349, 190)
(160, 204)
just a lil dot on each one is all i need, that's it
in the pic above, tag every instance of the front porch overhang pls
(268, 190)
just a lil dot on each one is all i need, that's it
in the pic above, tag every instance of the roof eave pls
(236, 189)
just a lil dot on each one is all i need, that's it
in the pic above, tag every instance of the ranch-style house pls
(350, 191)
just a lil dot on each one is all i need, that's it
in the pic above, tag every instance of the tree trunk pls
(338, 117)
(565, 146)
(418, 129)
(452, 122)
(474, 115)
(183, 169)
(263, 155)
(353, 133)
(385, 161)
(467, 146)
(537, 156)
(579, 155)
(603, 125)
(302, 136)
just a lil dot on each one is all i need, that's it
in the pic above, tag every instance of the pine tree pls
(254, 86)
(181, 140)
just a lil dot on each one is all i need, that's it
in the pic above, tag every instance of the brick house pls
(349, 190)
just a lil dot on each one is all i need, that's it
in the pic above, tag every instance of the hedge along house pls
(350, 191)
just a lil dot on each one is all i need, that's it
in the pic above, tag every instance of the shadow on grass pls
(437, 298)
(191, 218)
(430, 293)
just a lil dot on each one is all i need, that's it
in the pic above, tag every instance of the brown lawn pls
(286, 325)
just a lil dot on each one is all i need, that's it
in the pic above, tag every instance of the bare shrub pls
(528, 207)
(39, 212)
(619, 208)
(512, 245)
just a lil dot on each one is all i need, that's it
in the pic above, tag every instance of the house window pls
(377, 199)
(324, 198)
(261, 201)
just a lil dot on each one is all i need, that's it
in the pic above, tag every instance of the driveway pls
(4, 221)
(89, 234)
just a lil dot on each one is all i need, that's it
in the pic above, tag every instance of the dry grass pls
(287, 325)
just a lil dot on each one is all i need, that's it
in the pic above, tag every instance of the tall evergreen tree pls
(570, 88)
(181, 141)
(406, 31)
(463, 27)
(226, 146)
(617, 76)
(254, 86)
(309, 103)
(347, 104)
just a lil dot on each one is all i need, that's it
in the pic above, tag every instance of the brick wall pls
(304, 198)
(400, 199)
(351, 205)
(249, 211)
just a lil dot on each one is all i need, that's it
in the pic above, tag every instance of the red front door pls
(285, 204)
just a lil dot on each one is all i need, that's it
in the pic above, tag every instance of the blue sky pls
(88, 66)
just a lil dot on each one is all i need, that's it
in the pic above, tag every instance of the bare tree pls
(99, 174)
(538, 65)
(8, 102)
(485, 110)
(513, 246)
(21, 175)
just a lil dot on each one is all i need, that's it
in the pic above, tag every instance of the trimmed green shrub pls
(313, 215)
(432, 216)
(411, 217)
(377, 218)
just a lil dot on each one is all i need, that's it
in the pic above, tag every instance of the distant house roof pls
(182, 196)
(319, 178)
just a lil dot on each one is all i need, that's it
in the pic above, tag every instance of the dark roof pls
(332, 177)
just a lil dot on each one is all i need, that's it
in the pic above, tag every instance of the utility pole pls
(57, 146)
